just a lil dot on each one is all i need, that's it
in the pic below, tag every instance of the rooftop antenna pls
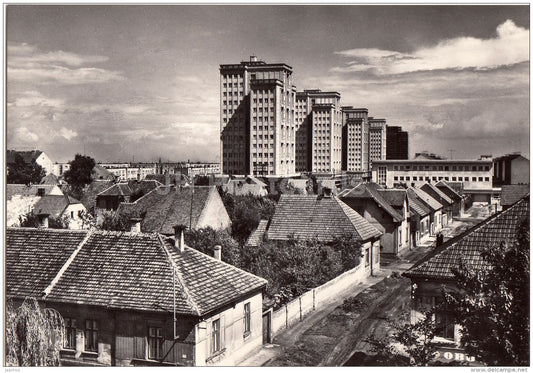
(451, 153)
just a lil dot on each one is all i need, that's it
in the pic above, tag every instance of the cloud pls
(26, 63)
(67, 133)
(509, 46)
(23, 135)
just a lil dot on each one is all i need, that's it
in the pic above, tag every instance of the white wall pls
(237, 346)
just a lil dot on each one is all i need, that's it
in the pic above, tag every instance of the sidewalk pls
(289, 336)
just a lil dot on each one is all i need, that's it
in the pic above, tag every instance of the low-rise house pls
(420, 218)
(443, 199)
(241, 186)
(512, 194)
(165, 207)
(92, 190)
(435, 271)
(458, 205)
(435, 208)
(324, 218)
(21, 198)
(36, 156)
(369, 202)
(136, 299)
(110, 198)
(62, 207)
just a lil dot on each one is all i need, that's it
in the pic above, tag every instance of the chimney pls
(43, 220)
(178, 237)
(135, 224)
(217, 252)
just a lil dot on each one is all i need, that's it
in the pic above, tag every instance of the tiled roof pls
(28, 156)
(395, 197)
(323, 218)
(468, 245)
(257, 235)
(24, 190)
(164, 208)
(416, 205)
(121, 270)
(50, 179)
(130, 188)
(449, 191)
(53, 205)
(427, 199)
(370, 190)
(34, 256)
(512, 193)
(93, 189)
(437, 194)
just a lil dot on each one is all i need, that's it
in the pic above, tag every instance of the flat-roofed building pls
(257, 124)
(397, 143)
(355, 139)
(378, 139)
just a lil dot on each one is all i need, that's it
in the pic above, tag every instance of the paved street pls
(294, 346)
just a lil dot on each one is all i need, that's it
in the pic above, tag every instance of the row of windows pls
(441, 168)
(226, 85)
(436, 178)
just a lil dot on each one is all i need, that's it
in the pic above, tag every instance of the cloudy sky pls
(143, 81)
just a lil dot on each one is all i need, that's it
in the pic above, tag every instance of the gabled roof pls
(437, 194)
(449, 191)
(256, 236)
(27, 190)
(427, 199)
(130, 188)
(469, 245)
(416, 205)
(512, 193)
(93, 189)
(132, 271)
(370, 190)
(395, 197)
(317, 217)
(53, 205)
(50, 179)
(163, 208)
(28, 156)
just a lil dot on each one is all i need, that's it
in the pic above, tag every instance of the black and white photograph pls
(266, 185)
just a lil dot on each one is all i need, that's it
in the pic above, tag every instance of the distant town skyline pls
(143, 81)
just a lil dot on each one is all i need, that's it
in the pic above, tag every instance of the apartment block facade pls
(378, 139)
(257, 118)
(397, 143)
(355, 139)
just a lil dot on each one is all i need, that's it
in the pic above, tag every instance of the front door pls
(266, 327)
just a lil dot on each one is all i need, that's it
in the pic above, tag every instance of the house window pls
(367, 257)
(91, 335)
(247, 318)
(70, 329)
(155, 342)
(215, 336)
(444, 325)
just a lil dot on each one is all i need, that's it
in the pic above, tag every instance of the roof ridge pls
(66, 264)
(455, 240)
(188, 297)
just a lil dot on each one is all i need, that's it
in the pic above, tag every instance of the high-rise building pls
(378, 139)
(355, 139)
(257, 119)
(318, 131)
(397, 143)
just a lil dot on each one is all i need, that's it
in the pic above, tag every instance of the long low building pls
(475, 175)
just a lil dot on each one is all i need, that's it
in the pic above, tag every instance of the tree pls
(112, 221)
(206, 239)
(412, 340)
(21, 172)
(34, 335)
(492, 303)
(79, 174)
